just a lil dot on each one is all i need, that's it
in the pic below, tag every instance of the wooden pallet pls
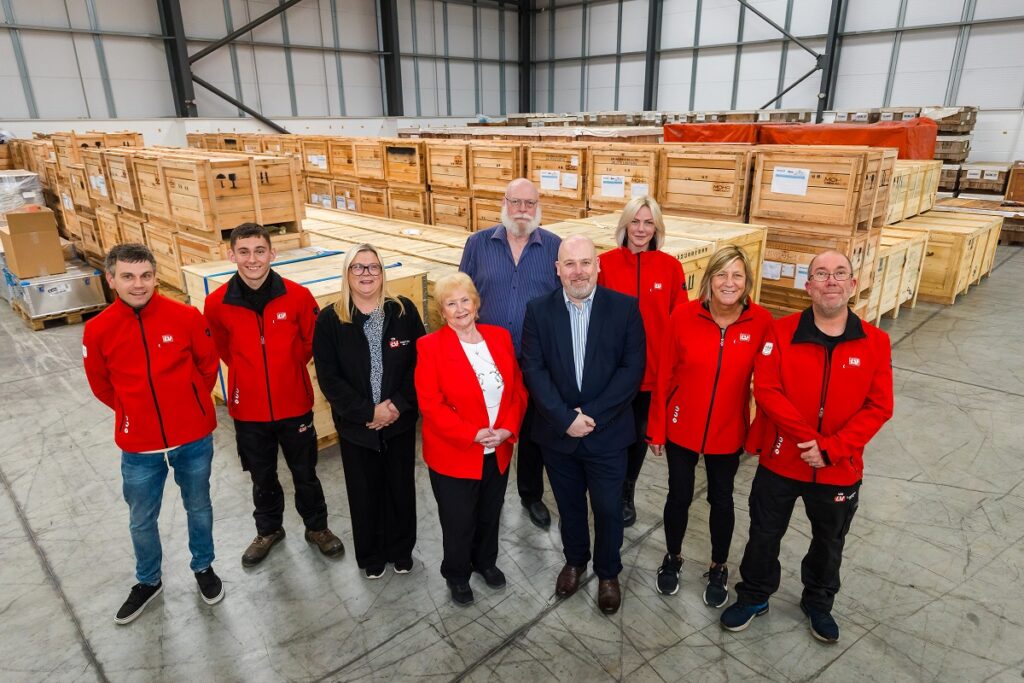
(43, 322)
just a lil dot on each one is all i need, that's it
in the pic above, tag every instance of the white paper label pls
(53, 156)
(886, 116)
(800, 279)
(326, 202)
(860, 116)
(699, 118)
(907, 115)
(973, 173)
(574, 161)
(314, 198)
(339, 201)
(613, 186)
(764, 116)
(639, 190)
(58, 289)
(68, 204)
(29, 195)
(788, 269)
(549, 180)
(991, 175)
(570, 181)
(771, 270)
(351, 205)
(841, 116)
(790, 180)
(101, 185)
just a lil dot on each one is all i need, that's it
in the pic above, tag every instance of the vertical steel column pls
(736, 63)
(19, 58)
(693, 56)
(551, 55)
(785, 54)
(447, 61)
(829, 62)
(101, 58)
(618, 57)
(288, 62)
(337, 55)
(229, 25)
(956, 69)
(392, 59)
(501, 56)
(477, 81)
(526, 27)
(583, 58)
(654, 9)
(415, 60)
(178, 59)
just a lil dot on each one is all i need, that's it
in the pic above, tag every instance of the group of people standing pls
(576, 362)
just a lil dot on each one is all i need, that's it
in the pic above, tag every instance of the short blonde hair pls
(718, 262)
(629, 213)
(449, 284)
(343, 306)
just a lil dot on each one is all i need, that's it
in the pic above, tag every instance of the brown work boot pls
(609, 595)
(568, 580)
(329, 544)
(260, 548)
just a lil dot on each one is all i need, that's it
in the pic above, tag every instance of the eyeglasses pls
(361, 268)
(824, 275)
(522, 203)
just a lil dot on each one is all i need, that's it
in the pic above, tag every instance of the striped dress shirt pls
(579, 321)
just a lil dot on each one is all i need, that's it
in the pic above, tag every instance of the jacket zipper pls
(149, 375)
(198, 402)
(824, 394)
(714, 388)
(638, 277)
(266, 366)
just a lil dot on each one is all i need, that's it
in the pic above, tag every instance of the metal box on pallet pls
(78, 288)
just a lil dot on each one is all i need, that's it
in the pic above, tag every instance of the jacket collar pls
(124, 309)
(233, 295)
(807, 333)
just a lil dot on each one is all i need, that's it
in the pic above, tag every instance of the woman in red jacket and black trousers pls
(656, 279)
(472, 397)
(701, 407)
(364, 347)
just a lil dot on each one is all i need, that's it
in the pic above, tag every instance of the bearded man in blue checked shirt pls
(510, 264)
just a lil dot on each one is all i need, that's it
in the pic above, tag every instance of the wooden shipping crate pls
(250, 143)
(346, 195)
(50, 177)
(984, 177)
(68, 145)
(913, 268)
(486, 212)
(886, 165)
(872, 297)
(160, 240)
(447, 165)
(373, 200)
(78, 183)
(451, 210)
(320, 192)
(152, 198)
(953, 148)
(132, 227)
(409, 204)
(953, 258)
(899, 271)
(952, 119)
(405, 162)
(124, 187)
(201, 247)
(989, 226)
(108, 228)
(195, 140)
(558, 171)
(328, 221)
(929, 185)
(949, 178)
(552, 212)
(898, 113)
(93, 160)
(283, 145)
(618, 172)
(90, 234)
(902, 181)
(341, 158)
(123, 138)
(492, 166)
(369, 159)
(1015, 183)
(705, 179)
(315, 158)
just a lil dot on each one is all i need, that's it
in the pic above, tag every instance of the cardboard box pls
(31, 243)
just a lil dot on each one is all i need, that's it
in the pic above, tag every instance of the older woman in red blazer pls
(472, 398)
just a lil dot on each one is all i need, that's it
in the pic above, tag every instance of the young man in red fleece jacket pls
(152, 361)
(823, 386)
(263, 325)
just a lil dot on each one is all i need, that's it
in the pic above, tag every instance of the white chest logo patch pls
(767, 350)
(657, 285)
(283, 315)
(744, 337)
(168, 338)
(854, 362)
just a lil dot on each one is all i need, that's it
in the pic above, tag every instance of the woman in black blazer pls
(364, 348)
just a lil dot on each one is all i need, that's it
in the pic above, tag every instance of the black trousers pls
(830, 510)
(529, 461)
(470, 513)
(381, 486)
(257, 444)
(575, 475)
(721, 470)
(638, 451)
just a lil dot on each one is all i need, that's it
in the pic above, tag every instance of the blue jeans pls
(144, 476)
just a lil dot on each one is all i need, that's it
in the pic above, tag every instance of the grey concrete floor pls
(931, 578)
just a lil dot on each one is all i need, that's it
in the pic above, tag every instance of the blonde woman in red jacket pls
(472, 398)
(701, 408)
(656, 279)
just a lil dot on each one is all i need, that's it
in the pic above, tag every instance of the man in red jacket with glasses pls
(152, 361)
(823, 386)
(263, 327)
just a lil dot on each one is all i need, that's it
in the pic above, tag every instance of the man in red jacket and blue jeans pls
(263, 325)
(152, 361)
(823, 386)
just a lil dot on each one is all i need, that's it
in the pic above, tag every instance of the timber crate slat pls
(618, 172)
(558, 171)
(341, 158)
(447, 165)
(451, 210)
(405, 162)
(492, 166)
(369, 159)
(346, 195)
(124, 186)
(315, 157)
(409, 204)
(705, 179)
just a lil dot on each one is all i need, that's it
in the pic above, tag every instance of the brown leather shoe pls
(609, 595)
(260, 548)
(568, 580)
(329, 544)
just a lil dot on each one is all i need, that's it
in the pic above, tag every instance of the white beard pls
(511, 226)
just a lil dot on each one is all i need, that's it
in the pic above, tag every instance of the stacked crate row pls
(651, 118)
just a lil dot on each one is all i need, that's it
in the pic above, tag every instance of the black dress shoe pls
(539, 514)
(494, 577)
(462, 594)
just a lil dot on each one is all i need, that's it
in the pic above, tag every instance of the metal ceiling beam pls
(238, 32)
(238, 103)
(829, 61)
(177, 58)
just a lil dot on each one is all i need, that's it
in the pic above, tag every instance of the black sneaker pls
(738, 615)
(142, 594)
(823, 626)
(494, 577)
(403, 566)
(668, 575)
(462, 594)
(211, 588)
(374, 571)
(717, 590)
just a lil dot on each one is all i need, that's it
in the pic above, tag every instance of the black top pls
(241, 294)
(342, 357)
(808, 332)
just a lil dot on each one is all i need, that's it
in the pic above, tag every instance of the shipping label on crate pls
(570, 181)
(907, 115)
(974, 174)
(886, 116)
(771, 270)
(793, 181)
(990, 175)
(318, 160)
(699, 118)
(613, 186)
(639, 190)
(68, 204)
(800, 278)
(764, 116)
(550, 180)
(841, 116)
(860, 117)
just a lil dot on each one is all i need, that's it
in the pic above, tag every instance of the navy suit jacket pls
(613, 368)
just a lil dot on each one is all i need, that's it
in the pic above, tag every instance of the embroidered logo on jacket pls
(744, 337)
(283, 315)
(854, 362)
(657, 285)
(168, 338)
(767, 350)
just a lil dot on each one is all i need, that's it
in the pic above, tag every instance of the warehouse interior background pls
(109, 61)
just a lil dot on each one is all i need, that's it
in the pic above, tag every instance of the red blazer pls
(452, 402)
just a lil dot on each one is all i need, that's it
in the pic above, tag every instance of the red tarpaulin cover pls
(915, 138)
(711, 132)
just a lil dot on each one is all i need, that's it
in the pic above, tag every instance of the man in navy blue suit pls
(583, 360)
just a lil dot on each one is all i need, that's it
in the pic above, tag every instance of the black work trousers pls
(830, 510)
(721, 471)
(258, 443)
(470, 515)
(638, 451)
(529, 461)
(381, 486)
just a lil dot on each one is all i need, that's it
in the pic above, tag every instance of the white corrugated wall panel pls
(714, 78)
(674, 82)
(863, 71)
(759, 75)
(993, 74)
(921, 75)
